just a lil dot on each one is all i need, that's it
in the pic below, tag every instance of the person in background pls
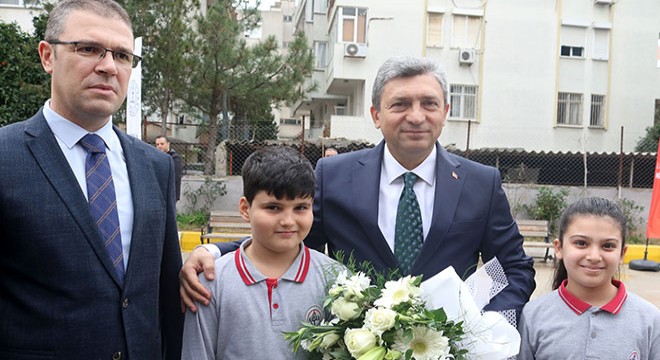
(163, 144)
(272, 283)
(90, 250)
(590, 315)
(330, 151)
(456, 209)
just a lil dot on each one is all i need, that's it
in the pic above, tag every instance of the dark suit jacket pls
(59, 294)
(471, 216)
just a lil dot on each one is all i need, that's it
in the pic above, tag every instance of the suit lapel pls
(366, 184)
(47, 153)
(449, 181)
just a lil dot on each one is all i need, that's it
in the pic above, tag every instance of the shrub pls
(547, 206)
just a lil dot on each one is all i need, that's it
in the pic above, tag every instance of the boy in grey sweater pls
(272, 283)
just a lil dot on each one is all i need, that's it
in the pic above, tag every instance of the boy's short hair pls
(280, 171)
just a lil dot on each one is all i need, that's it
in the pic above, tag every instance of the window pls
(465, 31)
(353, 25)
(320, 6)
(601, 43)
(287, 121)
(287, 18)
(463, 100)
(309, 11)
(11, 2)
(573, 40)
(572, 51)
(320, 54)
(569, 109)
(597, 117)
(434, 30)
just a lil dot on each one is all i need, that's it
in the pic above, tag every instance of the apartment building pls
(20, 12)
(538, 75)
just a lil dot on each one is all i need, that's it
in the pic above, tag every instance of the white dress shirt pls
(68, 134)
(391, 186)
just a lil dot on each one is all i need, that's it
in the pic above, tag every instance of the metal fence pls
(628, 170)
(562, 169)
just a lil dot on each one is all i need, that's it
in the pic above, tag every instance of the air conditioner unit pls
(466, 56)
(604, 2)
(355, 50)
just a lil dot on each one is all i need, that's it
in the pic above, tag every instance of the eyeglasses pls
(93, 51)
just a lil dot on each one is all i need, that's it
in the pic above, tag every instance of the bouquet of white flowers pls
(371, 322)
(407, 319)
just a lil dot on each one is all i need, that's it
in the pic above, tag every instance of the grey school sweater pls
(560, 326)
(248, 313)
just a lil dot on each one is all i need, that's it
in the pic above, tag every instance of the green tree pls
(649, 143)
(165, 30)
(253, 120)
(25, 85)
(223, 71)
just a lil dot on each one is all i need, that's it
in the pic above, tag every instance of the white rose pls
(328, 340)
(379, 320)
(359, 341)
(344, 309)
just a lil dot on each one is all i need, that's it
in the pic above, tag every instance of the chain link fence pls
(627, 170)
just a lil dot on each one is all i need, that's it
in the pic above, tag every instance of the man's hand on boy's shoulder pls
(191, 290)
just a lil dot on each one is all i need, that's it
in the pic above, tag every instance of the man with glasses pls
(90, 252)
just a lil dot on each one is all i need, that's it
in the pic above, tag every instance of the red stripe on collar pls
(248, 279)
(242, 268)
(615, 305)
(578, 306)
(303, 267)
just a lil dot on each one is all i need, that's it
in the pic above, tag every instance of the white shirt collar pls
(392, 170)
(70, 133)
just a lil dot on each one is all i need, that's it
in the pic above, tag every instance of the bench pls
(224, 226)
(537, 229)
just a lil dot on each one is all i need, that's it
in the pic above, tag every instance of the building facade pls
(536, 75)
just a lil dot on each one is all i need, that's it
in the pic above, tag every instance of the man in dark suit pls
(163, 144)
(464, 210)
(72, 288)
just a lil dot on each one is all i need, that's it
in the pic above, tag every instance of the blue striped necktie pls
(408, 230)
(102, 199)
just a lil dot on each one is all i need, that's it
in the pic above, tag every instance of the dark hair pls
(163, 137)
(280, 171)
(61, 12)
(592, 206)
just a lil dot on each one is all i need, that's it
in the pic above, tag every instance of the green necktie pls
(408, 231)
